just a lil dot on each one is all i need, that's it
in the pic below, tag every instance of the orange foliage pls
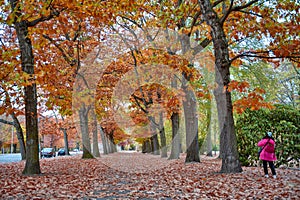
(52, 132)
(253, 100)
(239, 86)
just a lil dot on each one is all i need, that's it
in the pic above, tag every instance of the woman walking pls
(267, 154)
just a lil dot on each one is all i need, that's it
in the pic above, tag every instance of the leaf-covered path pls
(143, 176)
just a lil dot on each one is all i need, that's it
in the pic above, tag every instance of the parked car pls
(61, 152)
(48, 152)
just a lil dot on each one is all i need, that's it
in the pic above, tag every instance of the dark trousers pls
(271, 164)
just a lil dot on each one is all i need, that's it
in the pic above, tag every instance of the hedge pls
(283, 122)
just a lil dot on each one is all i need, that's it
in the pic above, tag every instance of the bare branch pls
(201, 46)
(77, 33)
(136, 99)
(238, 8)
(7, 122)
(227, 13)
(262, 54)
(217, 3)
(71, 62)
(53, 13)
(251, 13)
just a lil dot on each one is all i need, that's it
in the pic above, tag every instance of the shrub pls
(283, 122)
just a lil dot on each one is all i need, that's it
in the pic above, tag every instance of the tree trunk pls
(175, 151)
(162, 135)
(146, 147)
(109, 145)
(228, 143)
(104, 141)
(208, 128)
(32, 165)
(191, 124)
(112, 145)
(66, 141)
(209, 143)
(96, 152)
(154, 136)
(20, 135)
(151, 145)
(86, 144)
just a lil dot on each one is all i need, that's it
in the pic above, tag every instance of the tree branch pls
(217, 3)
(65, 56)
(7, 122)
(136, 98)
(201, 46)
(238, 8)
(53, 13)
(260, 55)
(222, 20)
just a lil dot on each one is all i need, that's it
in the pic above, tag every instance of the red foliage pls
(136, 175)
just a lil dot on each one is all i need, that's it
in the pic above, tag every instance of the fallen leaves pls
(136, 175)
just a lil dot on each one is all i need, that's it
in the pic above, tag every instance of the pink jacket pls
(268, 153)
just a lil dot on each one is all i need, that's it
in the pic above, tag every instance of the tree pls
(280, 84)
(149, 63)
(280, 47)
(11, 96)
(180, 17)
(30, 94)
(17, 125)
(229, 153)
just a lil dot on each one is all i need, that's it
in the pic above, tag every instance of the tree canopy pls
(84, 57)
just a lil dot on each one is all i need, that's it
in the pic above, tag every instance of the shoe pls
(266, 176)
(274, 176)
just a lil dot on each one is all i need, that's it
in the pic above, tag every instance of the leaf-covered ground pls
(142, 176)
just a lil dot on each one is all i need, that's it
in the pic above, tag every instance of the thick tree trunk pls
(112, 145)
(104, 140)
(191, 125)
(156, 150)
(154, 136)
(228, 143)
(162, 135)
(175, 151)
(86, 144)
(146, 146)
(190, 108)
(32, 165)
(209, 143)
(96, 152)
(109, 145)
(151, 145)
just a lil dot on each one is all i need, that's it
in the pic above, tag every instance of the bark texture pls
(32, 165)
(66, 141)
(191, 123)
(162, 134)
(154, 136)
(20, 134)
(86, 144)
(175, 151)
(96, 152)
(228, 143)
(104, 140)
